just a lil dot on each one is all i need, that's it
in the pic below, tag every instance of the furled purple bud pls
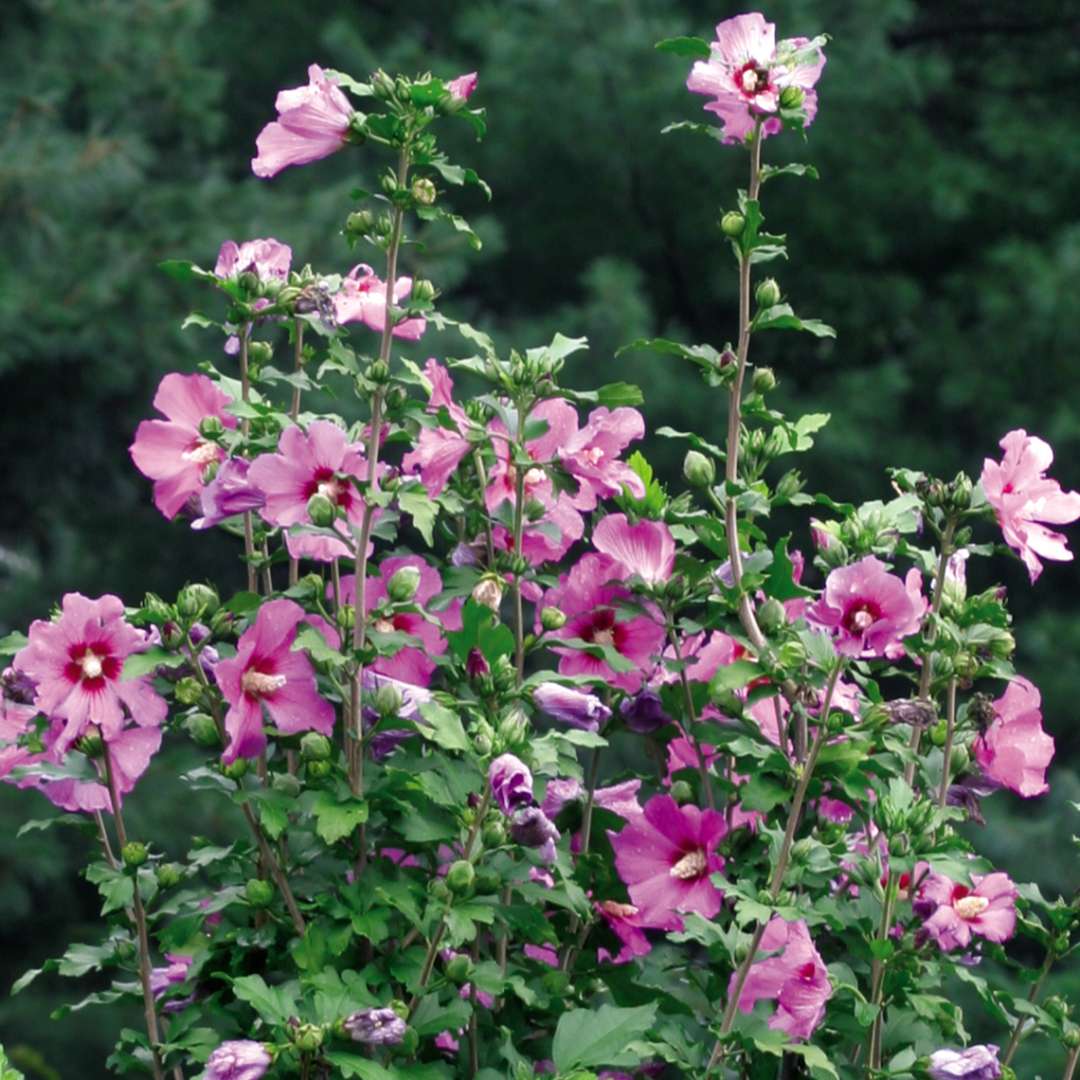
(375, 1027)
(975, 1063)
(238, 1059)
(585, 711)
(644, 712)
(511, 783)
(476, 665)
(530, 827)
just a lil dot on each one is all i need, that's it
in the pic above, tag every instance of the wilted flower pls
(238, 1059)
(530, 827)
(1014, 750)
(228, 494)
(580, 710)
(511, 783)
(161, 978)
(643, 712)
(796, 978)
(268, 259)
(375, 1027)
(974, 1063)
(313, 122)
(1024, 498)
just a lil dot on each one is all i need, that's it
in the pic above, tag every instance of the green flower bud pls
(792, 97)
(134, 854)
(494, 834)
(360, 223)
(321, 510)
(699, 470)
(439, 889)
(260, 353)
(347, 616)
(488, 881)
(459, 969)
(172, 636)
(259, 893)
(402, 586)
(732, 224)
(249, 281)
(423, 191)
(503, 674)
(682, 792)
(169, 874)
(1002, 644)
(211, 427)
(483, 743)
(319, 770)
(789, 485)
(460, 876)
(287, 784)
(188, 690)
(91, 744)
(763, 381)
(939, 732)
(203, 730)
(961, 758)
(378, 371)
(423, 292)
(771, 616)
(791, 654)
(382, 86)
(387, 700)
(767, 293)
(197, 600)
(513, 728)
(308, 1037)
(551, 618)
(156, 609)
(315, 747)
(223, 624)
(235, 769)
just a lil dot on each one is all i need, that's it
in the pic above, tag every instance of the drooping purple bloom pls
(580, 710)
(238, 1059)
(643, 713)
(228, 494)
(375, 1027)
(511, 783)
(975, 1063)
(174, 973)
(530, 827)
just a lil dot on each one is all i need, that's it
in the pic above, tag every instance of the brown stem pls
(139, 915)
(1033, 994)
(950, 733)
(269, 859)
(1070, 1064)
(927, 673)
(780, 870)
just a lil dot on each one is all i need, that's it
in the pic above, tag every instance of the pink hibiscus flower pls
(626, 923)
(77, 663)
(795, 978)
(266, 671)
(172, 452)
(747, 72)
(868, 610)
(590, 595)
(268, 260)
(953, 912)
(665, 859)
(362, 298)
(439, 450)
(321, 461)
(462, 87)
(1014, 750)
(313, 122)
(410, 664)
(646, 549)
(591, 455)
(228, 494)
(1023, 498)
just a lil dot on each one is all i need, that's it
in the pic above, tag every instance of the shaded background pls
(943, 242)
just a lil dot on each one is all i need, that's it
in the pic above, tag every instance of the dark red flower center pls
(751, 80)
(327, 482)
(861, 616)
(602, 629)
(807, 972)
(92, 664)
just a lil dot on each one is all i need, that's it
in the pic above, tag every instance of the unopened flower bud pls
(223, 624)
(235, 769)
(171, 634)
(308, 1037)
(260, 353)
(789, 485)
(764, 380)
(439, 889)
(91, 744)
(382, 85)
(488, 881)
(771, 616)
(249, 281)
(318, 770)
(321, 510)
(423, 292)
(423, 191)
(188, 690)
(459, 968)
(378, 371)
(259, 893)
(315, 747)
(791, 654)
(402, 586)
(792, 97)
(203, 730)
(552, 618)
(494, 834)
(489, 591)
(1002, 644)
(460, 876)
(1071, 1037)
(211, 427)
(513, 729)
(732, 224)
(197, 601)
(360, 223)
(699, 470)
(682, 792)
(767, 293)
(939, 732)
(169, 874)
(134, 854)
(387, 700)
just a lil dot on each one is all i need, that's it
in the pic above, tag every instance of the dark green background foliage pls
(942, 242)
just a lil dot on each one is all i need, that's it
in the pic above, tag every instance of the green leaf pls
(780, 581)
(335, 820)
(587, 1037)
(442, 727)
(734, 676)
(116, 887)
(770, 172)
(697, 129)
(12, 643)
(415, 501)
(781, 317)
(273, 1003)
(181, 269)
(139, 664)
(691, 48)
(762, 793)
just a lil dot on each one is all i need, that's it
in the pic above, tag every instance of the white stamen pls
(259, 683)
(604, 637)
(970, 907)
(91, 666)
(619, 911)
(862, 620)
(594, 455)
(202, 453)
(534, 476)
(384, 626)
(690, 866)
(749, 79)
(331, 489)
